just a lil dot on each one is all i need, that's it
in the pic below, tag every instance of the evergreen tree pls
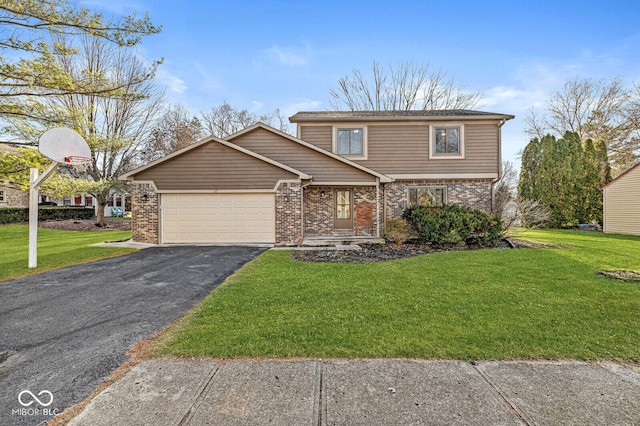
(566, 176)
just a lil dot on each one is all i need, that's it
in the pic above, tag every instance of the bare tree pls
(114, 123)
(504, 190)
(224, 120)
(409, 86)
(597, 110)
(176, 128)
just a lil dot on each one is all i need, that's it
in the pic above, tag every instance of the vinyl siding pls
(214, 166)
(323, 168)
(622, 204)
(404, 148)
(318, 135)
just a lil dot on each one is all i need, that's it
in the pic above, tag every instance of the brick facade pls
(289, 213)
(312, 209)
(319, 211)
(476, 194)
(145, 214)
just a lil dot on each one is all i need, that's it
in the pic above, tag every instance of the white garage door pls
(218, 218)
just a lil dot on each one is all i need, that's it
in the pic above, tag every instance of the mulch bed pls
(87, 225)
(382, 252)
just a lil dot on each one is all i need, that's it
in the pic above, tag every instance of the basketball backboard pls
(63, 145)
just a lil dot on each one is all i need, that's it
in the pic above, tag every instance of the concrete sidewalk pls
(369, 392)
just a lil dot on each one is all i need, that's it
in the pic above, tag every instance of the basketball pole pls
(34, 185)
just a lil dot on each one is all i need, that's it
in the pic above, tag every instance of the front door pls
(343, 209)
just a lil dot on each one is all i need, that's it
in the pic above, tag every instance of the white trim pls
(216, 191)
(328, 120)
(343, 184)
(383, 178)
(445, 176)
(365, 144)
(432, 142)
(378, 211)
(377, 123)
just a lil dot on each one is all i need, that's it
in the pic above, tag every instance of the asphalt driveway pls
(63, 332)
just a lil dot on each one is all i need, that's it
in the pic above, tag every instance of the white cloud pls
(510, 98)
(288, 56)
(206, 81)
(284, 56)
(174, 83)
(300, 104)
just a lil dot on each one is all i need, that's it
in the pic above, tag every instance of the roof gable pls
(623, 175)
(329, 156)
(197, 145)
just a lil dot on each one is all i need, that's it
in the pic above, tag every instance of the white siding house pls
(621, 203)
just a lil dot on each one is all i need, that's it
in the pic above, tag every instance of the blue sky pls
(263, 55)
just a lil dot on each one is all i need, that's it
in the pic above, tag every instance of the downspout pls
(302, 188)
(377, 207)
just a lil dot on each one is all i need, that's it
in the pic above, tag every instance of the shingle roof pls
(446, 114)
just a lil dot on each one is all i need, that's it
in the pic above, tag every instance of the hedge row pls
(454, 225)
(21, 214)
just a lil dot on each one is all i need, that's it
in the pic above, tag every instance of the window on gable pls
(350, 141)
(428, 195)
(447, 142)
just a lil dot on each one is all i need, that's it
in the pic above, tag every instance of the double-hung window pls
(2, 196)
(350, 141)
(447, 141)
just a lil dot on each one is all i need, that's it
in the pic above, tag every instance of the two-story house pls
(343, 175)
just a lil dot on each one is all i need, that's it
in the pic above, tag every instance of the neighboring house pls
(621, 203)
(115, 206)
(343, 175)
(11, 196)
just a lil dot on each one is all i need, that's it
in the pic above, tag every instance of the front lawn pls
(487, 304)
(55, 248)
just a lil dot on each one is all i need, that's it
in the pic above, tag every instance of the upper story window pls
(447, 141)
(350, 141)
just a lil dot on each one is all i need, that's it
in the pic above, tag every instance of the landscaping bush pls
(454, 225)
(397, 230)
(21, 214)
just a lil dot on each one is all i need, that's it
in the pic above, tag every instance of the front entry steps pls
(339, 241)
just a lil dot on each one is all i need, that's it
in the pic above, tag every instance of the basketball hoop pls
(61, 146)
(76, 160)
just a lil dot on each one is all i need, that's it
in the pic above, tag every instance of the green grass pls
(56, 249)
(487, 304)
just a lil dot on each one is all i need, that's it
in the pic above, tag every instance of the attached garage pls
(218, 218)
(213, 192)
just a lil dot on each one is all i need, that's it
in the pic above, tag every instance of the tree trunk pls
(102, 200)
